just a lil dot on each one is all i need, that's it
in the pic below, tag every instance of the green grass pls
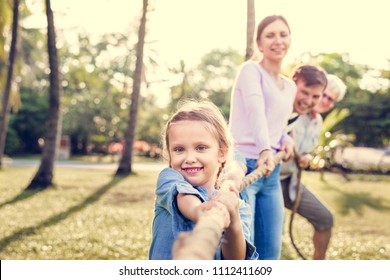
(87, 215)
(90, 214)
(361, 209)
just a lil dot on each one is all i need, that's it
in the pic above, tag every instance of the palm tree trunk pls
(250, 28)
(44, 176)
(5, 110)
(125, 164)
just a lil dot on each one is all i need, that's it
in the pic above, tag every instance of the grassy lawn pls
(89, 214)
(361, 209)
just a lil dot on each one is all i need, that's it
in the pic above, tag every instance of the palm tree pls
(250, 28)
(44, 176)
(5, 110)
(125, 164)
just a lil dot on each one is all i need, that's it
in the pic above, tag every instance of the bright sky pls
(187, 29)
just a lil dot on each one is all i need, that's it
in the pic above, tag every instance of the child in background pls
(197, 144)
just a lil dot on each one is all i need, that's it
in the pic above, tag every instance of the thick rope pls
(201, 243)
(259, 172)
(294, 208)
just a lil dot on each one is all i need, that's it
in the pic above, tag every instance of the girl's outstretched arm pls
(234, 244)
(192, 207)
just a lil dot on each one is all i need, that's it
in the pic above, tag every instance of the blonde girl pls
(197, 145)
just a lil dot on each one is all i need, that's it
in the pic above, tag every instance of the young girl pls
(197, 144)
(261, 103)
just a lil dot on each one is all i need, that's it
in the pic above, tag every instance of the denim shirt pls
(169, 222)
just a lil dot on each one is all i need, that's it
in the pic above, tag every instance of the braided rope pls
(259, 172)
(294, 208)
(201, 243)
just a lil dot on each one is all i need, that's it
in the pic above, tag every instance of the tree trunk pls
(125, 164)
(250, 28)
(44, 176)
(5, 110)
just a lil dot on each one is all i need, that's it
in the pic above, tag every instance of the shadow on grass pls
(22, 196)
(355, 201)
(61, 216)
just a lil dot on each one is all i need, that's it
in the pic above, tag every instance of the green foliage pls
(217, 71)
(370, 121)
(5, 26)
(212, 79)
(12, 144)
(150, 121)
(327, 142)
(97, 90)
(331, 120)
(29, 122)
(95, 94)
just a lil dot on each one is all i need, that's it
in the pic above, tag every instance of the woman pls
(261, 103)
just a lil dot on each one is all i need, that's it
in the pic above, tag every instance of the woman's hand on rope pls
(289, 149)
(266, 158)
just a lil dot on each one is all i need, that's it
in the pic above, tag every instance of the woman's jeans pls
(265, 197)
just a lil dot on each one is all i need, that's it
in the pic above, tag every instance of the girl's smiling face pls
(194, 152)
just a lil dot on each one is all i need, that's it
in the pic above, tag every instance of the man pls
(311, 82)
(306, 130)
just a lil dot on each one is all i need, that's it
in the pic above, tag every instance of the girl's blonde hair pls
(206, 112)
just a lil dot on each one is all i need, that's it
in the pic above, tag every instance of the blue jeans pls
(265, 197)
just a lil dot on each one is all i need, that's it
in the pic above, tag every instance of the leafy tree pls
(216, 72)
(5, 23)
(93, 102)
(184, 89)
(26, 125)
(29, 78)
(5, 109)
(370, 121)
(151, 121)
(213, 79)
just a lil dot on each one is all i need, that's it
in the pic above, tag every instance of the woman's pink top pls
(259, 110)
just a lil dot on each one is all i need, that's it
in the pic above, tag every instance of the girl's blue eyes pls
(180, 149)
